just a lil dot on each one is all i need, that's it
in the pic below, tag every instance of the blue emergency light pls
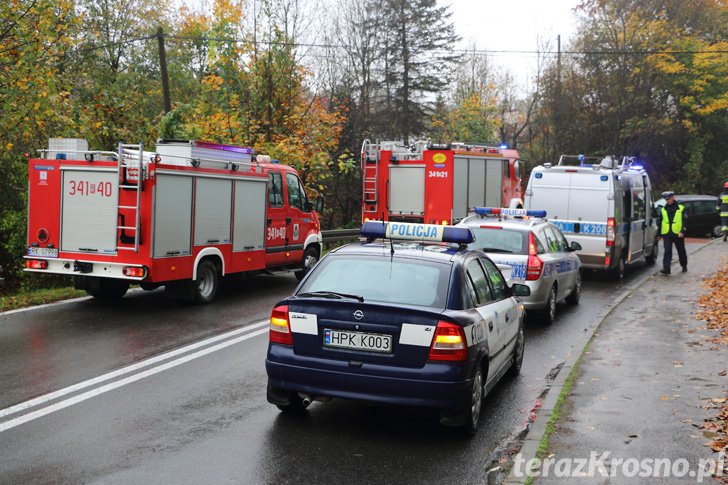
(505, 211)
(408, 231)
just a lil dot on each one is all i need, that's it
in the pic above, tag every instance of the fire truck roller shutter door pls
(173, 216)
(407, 189)
(493, 182)
(249, 219)
(89, 213)
(476, 183)
(460, 188)
(213, 206)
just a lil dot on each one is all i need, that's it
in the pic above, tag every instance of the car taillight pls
(280, 328)
(134, 271)
(36, 264)
(449, 343)
(535, 265)
(611, 231)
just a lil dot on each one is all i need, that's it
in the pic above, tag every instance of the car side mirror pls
(520, 290)
(320, 204)
(575, 246)
(308, 207)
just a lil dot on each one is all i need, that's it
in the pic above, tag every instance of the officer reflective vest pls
(677, 221)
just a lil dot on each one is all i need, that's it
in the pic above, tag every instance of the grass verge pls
(543, 446)
(38, 297)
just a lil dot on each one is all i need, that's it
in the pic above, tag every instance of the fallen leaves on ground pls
(715, 302)
(714, 311)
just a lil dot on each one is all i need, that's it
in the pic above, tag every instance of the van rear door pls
(549, 190)
(637, 215)
(589, 209)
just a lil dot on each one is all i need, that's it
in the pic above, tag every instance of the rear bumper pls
(598, 260)
(71, 267)
(436, 385)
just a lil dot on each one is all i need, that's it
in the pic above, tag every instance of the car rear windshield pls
(383, 279)
(497, 240)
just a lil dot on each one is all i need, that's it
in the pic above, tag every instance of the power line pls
(460, 51)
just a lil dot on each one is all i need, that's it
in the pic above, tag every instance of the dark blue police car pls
(405, 320)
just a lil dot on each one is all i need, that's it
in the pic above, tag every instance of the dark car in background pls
(703, 217)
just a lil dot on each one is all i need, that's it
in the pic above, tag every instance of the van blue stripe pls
(588, 228)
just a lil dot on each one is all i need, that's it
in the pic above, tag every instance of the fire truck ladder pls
(130, 157)
(370, 172)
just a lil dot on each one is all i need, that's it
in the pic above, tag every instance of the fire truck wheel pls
(310, 258)
(205, 286)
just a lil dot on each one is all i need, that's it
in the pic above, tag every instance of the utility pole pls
(558, 109)
(163, 71)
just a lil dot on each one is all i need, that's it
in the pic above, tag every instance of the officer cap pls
(667, 194)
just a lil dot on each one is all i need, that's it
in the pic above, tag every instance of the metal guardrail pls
(340, 235)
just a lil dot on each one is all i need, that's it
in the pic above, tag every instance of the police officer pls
(672, 230)
(724, 211)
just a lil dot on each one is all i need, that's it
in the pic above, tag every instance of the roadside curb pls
(537, 430)
(132, 291)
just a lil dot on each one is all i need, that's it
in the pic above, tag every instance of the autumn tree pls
(117, 95)
(35, 38)
(649, 81)
(418, 37)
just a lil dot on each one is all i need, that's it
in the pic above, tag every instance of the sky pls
(497, 25)
(513, 25)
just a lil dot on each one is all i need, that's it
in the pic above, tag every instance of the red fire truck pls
(182, 216)
(436, 184)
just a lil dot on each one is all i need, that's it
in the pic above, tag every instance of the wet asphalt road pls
(206, 420)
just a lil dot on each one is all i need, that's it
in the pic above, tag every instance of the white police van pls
(605, 206)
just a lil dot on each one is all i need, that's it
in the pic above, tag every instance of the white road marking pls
(126, 370)
(123, 382)
(62, 302)
(45, 305)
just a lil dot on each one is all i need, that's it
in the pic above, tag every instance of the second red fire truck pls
(181, 217)
(436, 184)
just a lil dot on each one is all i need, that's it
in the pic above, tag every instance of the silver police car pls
(536, 251)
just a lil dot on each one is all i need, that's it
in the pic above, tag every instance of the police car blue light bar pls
(505, 211)
(408, 231)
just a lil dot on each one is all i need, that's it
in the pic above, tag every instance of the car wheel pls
(310, 258)
(548, 315)
(204, 288)
(575, 295)
(718, 231)
(475, 404)
(517, 358)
